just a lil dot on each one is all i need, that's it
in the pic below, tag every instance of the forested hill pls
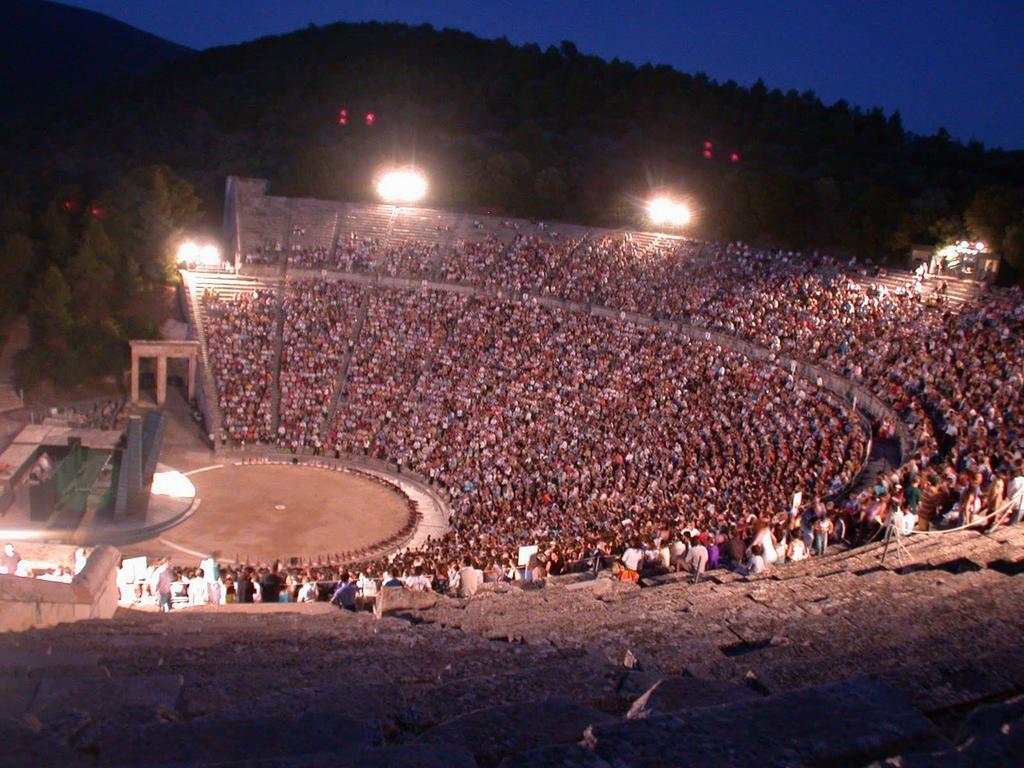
(50, 53)
(535, 132)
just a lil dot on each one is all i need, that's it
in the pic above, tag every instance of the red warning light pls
(99, 213)
(342, 117)
(71, 206)
(708, 145)
(734, 157)
(708, 154)
(370, 118)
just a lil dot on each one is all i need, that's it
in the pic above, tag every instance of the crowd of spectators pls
(43, 565)
(240, 339)
(109, 414)
(317, 333)
(603, 436)
(401, 332)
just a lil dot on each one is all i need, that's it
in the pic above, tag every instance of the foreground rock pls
(679, 694)
(491, 734)
(809, 727)
(398, 602)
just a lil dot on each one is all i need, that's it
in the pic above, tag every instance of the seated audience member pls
(346, 593)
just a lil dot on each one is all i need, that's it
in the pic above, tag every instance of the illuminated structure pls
(664, 211)
(403, 185)
(193, 254)
(966, 258)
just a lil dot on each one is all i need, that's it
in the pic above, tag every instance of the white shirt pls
(1015, 491)
(418, 583)
(697, 557)
(470, 580)
(198, 592)
(631, 558)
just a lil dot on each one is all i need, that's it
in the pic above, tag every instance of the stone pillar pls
(161, 379)
(129, 481)
(191, 377)
(135, 377)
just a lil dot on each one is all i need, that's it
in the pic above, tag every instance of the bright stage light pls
(402, 186)
(187, 252)
(190, 252)
(662, 210)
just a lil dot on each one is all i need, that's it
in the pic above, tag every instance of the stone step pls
(808, 727)
(263, 739)
(497, 732)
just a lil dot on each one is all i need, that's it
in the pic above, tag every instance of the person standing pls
(198, 590)
(822, 528)
(9, 559)
(164, 580)
(271, 584)
(245, 590)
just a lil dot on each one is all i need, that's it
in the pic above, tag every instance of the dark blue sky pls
(941, 63)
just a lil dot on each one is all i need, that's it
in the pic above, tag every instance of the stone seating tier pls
(829, 662)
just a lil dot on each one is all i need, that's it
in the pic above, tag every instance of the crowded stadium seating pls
(560, 373)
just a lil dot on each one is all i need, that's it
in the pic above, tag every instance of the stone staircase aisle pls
(275, 392)
(346, 363)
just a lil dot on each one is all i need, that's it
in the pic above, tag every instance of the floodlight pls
(190, 252)
(209, 255)
(405, 185)
(663, 210)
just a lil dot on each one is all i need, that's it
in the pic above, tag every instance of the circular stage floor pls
(265, 512)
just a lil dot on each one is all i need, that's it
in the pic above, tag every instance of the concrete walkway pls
(435, 521)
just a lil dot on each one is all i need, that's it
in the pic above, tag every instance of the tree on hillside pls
(113, 255)
(149, 212)
(50, 304)
(490, 119)
(995, 215)
(17, 261)
(90, 274)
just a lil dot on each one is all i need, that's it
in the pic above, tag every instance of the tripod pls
(893, 534)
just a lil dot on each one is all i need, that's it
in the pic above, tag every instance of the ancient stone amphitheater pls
(845, 659)
(838, 661)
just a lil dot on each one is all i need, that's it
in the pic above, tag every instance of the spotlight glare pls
(190, 252)
(662, 210)
(402, 186)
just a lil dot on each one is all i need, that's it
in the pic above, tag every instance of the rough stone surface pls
(946, 641)
(556, 757)
(678, 694)
(266, 736)
(24, 747)
(394, 601)
(491, 734)
(810, 727)
(139, 698)
(16, 695)
(403, 756)
(992, 735)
